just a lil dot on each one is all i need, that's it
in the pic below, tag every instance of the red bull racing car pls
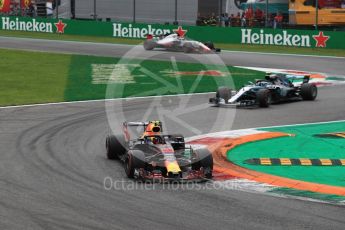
(158, 157)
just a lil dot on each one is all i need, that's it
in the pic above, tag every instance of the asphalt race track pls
(318, 64)
(53, 161)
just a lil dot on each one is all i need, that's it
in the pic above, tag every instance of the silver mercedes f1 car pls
(274, 88)
(174, 42)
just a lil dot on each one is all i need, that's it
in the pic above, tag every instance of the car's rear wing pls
(132, 124)
(298, 80)
(151, 36)
(138, 124)
(141, 123)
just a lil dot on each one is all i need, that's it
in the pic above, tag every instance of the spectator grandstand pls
(226, 13)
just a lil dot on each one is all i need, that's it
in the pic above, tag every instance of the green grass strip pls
(29, 77)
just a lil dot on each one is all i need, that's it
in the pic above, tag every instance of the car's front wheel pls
(264, 98)
(204, 160)
(224, 93)
(115, 146)
(135, 160)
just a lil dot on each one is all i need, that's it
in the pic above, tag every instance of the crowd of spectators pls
(30, 10)
(248, 18)
(17, 10)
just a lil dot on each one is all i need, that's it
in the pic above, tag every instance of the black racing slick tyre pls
(204, 160)
(264, 98)
(115, 146)
(224, 93)
(149, 44)
(187, 48)
(308, 91)
(135, 160)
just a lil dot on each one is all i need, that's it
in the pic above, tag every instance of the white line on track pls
(100, 100)
(300, 124)
(143, 98)
(67, 41)
(249, 130)
(282, 54)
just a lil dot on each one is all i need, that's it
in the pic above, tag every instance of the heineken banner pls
(233, 35)
(5, 6)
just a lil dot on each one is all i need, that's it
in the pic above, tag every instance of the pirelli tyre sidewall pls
(224, 93)
(188, 47)
(115, 146)
(135, 159)
(149, 44)
(308, 91)
(264, 98)
(204, 160)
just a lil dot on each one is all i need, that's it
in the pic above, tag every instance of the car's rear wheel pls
(135, 160)
(224, 93)
(115, 146)
(187, 48)
(308, 91)
(204, 160)
(264, 98)
(149, 45)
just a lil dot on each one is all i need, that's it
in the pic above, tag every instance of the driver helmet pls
(273, 77)
(267, 76)
(156, 140)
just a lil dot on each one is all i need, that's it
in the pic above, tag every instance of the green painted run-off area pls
(302, 145)
(35, 77)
